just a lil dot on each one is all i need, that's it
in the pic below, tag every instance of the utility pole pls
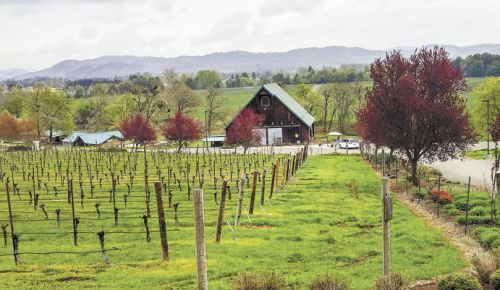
(488, 156)
(206, 131)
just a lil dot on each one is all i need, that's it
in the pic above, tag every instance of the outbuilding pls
(285, 120)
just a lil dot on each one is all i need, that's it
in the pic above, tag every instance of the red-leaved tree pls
(242, 130)
(12, 129)
(138, 128)
(8, 127)
(26, 130)
(182, 129)
(415, 107)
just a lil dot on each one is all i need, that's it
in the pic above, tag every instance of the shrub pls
(259, 281)
(489, 237)
(327, 282)
(443, 197)
(478, 211)
(392, 282)
(474, 220)
(495, 280)
(459, 282)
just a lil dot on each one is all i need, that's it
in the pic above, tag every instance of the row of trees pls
(182, 129)
(333, 105)
(157, 98)
(479, 65)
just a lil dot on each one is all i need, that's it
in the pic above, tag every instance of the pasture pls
(326, 219)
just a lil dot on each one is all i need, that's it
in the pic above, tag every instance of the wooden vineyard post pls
(199, 231)
(15, 238)
(220, 218)
(161, 222)
(467, 207)
(240, 201)
(277, 175)
(263, 187)
(273, 175)
(146, 183)
(386, 225)
(115, 209)
(252, 195)
(76, 221)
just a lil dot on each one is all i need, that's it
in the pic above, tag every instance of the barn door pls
(275, 136)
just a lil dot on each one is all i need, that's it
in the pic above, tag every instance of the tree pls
(124, 106)
(326, 93)
(33, 105)
(343, 102)
(14, 101)
(150, 101)
(487, 90)
(214, 107)
(99, 91)
(8, 123)
(138, 128)
(415, 107)
(207, 78)
(16, 129)
(242, 130)
(26, 130)
(178, 95)
(307, 97)
(182, 129)
(55, 112)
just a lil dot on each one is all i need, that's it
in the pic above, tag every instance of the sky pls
(35, 34)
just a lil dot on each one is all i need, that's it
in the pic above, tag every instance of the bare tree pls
(214, 107)
(326, 92)
(178, 95)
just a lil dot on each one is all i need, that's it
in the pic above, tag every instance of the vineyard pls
(90, 217)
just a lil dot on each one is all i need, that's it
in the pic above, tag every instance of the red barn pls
(285, 121)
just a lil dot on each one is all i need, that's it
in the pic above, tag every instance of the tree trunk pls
(50, 138)
(414, 178)
(325, 113)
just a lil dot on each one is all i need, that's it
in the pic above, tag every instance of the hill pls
(234, 61)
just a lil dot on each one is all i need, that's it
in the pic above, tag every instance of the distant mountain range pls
(234, 61)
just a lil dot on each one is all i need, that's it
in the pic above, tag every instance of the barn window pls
(265, 102)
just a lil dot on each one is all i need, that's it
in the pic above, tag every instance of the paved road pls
(461, 169)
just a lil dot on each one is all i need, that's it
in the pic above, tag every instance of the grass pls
(321, 224)
(477, 154)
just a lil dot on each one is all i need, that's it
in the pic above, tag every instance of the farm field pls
(325, 221)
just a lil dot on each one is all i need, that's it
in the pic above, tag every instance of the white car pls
(349, 144)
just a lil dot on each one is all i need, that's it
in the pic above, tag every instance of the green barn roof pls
(287, 100)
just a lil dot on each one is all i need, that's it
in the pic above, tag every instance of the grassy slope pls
(319, 225)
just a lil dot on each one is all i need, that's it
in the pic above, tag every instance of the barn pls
(285, 121)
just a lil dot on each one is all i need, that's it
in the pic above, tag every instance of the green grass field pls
(328, 220)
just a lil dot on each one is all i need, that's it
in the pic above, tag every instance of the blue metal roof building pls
(88, 139)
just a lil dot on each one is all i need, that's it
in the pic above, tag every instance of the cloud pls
(39, 33)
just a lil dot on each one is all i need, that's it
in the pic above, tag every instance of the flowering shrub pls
(443, 197)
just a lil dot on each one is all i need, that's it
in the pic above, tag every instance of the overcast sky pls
(39, 33)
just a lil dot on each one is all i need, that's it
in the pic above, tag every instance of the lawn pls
(328, 220)
(478, 154)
